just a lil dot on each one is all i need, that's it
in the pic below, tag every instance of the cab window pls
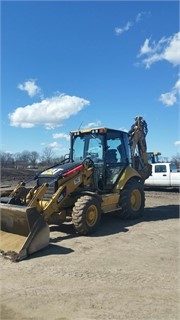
(160, 168)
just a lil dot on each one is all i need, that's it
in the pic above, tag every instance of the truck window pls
(160, 168)
(173, 167)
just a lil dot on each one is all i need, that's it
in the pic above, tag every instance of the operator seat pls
(111, 156)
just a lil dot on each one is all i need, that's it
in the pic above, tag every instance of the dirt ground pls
(127, 270)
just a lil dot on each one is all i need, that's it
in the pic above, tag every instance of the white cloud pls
(165, 49)
(145, 49)
(177, 143)
(61, 135)
(130, 24)
(30, 87)
(172, 51)
(50, 112)
(53, 145)
(177, 86)
(127, 26)
(92, 125)
(170, 98)
(140, 14)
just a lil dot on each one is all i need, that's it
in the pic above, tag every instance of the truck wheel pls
(132, 200)
(86, 214)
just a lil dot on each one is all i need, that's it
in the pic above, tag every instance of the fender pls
(127, 174)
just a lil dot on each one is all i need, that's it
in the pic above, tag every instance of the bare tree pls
(47, 155)
(17, 159)
(22, 159)
(33, 157)
(176, 160)
(6, 159)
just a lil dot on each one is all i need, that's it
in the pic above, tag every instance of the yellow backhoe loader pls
(97, 178)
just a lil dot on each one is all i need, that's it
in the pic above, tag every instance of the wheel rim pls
(92, 215)
(135, 200)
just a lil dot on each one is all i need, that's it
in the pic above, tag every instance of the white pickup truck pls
(163, 175)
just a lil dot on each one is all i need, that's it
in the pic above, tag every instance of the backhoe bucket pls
(23, 231)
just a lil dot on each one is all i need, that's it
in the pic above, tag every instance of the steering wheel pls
(88, 161)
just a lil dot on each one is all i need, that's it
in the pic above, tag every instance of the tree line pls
(31, 159)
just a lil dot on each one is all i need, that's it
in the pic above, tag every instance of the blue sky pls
(71, 64)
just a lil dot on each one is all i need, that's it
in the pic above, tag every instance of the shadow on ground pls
(112, 223)
(51, 249)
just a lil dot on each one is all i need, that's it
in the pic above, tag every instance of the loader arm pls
(70, 183)
(24, 228)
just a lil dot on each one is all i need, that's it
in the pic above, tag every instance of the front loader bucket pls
(23, 231)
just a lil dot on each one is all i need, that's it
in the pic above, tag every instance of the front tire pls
(132, 200)
(86, 215)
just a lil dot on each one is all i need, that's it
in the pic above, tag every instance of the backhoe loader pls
(98, 177)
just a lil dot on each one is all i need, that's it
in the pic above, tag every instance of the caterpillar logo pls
(52, 171)
(77, 180)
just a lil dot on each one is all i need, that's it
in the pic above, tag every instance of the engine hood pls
(59, 170)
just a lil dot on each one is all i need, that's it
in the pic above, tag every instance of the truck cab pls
(163, 175)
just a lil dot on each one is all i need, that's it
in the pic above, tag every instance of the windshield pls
(87, 146)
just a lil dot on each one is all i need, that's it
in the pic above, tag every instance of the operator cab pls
(153, 157)
(107, 148)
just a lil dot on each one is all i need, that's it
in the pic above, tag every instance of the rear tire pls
(132, 200)
(86, 214)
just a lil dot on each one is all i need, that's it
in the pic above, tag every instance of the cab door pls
(161, 175)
